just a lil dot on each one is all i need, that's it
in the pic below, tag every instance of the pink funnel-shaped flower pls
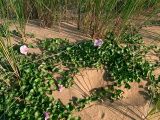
(46, 114)
(24, 49)
(60, 88)
(98, 42)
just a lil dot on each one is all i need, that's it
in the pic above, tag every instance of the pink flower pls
(24, 49)
(46, 114)
(60, 88)
(98, 42)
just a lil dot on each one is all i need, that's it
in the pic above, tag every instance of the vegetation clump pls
(31, 95)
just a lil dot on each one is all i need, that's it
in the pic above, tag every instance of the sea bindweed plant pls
(31, 97)
(113, 57)
(24, 49)
(98, 42)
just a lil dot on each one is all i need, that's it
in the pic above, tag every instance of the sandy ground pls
(65, 31)
(134, 105)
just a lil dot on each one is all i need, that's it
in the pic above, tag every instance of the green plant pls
(4, 30)
(31, 95)
(154, 88)
(113, 57)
